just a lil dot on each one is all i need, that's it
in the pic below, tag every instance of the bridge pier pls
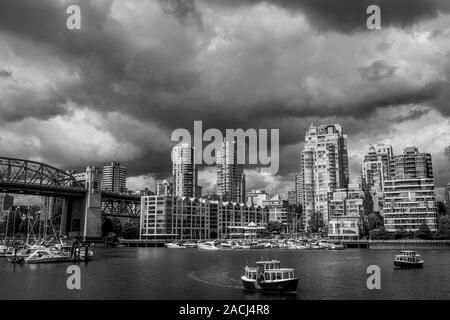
(82, 217)
(92, 217)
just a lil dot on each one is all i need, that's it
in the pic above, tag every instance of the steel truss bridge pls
(120, 205)
(35, 178)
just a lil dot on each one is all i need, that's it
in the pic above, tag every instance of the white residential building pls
(114, 178)
(230, 174)
(408, 203)
(323, 168)
(184, 171)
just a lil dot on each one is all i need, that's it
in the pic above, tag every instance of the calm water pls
(160, 273)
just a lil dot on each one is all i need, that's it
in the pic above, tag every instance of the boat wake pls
(218, 280)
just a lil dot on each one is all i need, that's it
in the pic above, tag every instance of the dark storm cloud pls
(154, 83)
(155, 73)
(113, 76)
(441, 90)
(29, 103)
(45, 21)
(182, 9)
(350, 15)
(44, 24)
(411, 115)
(5, 73)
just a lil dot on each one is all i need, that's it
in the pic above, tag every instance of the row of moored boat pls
(45, 252)
(257, 244)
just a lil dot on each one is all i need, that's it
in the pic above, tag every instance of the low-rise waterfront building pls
(196, 218)
(343, 228)
(280, 210)
(345, 207)
(277, 208)
(156, 217)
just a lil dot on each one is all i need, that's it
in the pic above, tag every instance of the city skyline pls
(70, 103)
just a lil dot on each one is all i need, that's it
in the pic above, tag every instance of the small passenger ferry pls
(408, 259)
(268, 276)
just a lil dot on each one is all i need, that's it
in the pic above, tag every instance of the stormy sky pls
(137, 70)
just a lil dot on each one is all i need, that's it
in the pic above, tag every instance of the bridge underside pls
(40, 190)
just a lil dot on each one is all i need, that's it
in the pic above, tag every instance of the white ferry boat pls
(408, 259)
(268, 276)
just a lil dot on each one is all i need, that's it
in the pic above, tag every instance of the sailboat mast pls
(14, 225)
(44, 231)
(7, 225)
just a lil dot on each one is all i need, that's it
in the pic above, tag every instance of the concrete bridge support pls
(81, 217)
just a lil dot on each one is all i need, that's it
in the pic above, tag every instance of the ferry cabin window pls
(267, 276)
(279, 276)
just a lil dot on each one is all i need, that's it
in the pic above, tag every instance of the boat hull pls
(48, 260)
(408, 265)
(207, 248)
(174, 246)
(257, 246)
(285, 286)
(16, 259)
(337, 248)
(5, 255)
